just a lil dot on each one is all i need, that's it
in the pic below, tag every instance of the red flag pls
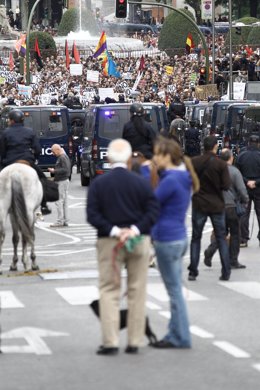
(142, 64)
(11, 61)
(67, 54)
(37, 54)
(75, 53)
(189, 43)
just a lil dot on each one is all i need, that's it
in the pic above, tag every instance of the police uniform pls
(140, 142)
(192, 142)
(19, 143)
(248, 162)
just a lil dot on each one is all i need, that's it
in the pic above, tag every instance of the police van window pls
(32, 120)
(54, 123)
(111, 123)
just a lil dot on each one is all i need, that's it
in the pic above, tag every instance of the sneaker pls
(39, 216)
(192, 278)
(208, 261)
(45, 210)
(243, 244)
(56, 225)
(66, 224)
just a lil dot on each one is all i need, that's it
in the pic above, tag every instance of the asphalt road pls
(49, 333)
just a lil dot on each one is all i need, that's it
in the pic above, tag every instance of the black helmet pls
(137, 109)
(16, 115)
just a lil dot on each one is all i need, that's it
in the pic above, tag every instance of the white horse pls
(20, 195)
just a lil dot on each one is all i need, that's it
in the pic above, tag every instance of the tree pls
(243, 7)
(174, 32)
(46, 43)
(70, 22)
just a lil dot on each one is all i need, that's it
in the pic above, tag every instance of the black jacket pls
(19, 143)
(121, 198)
(140, 142)
(248, 162)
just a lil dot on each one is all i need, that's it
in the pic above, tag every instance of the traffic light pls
(17, 65)
(238, 30)
(121, 8)
(203, 74)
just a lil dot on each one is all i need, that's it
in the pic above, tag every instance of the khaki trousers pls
(110, 289)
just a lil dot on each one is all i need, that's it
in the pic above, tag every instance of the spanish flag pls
(189, 43)
(102, 45)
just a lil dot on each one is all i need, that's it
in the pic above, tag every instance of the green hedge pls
(46, 43)
(70, 22)
(254, 36)
(174, 32)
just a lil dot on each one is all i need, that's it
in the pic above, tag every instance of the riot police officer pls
(20, 143)
(138, 132)
(176, 108)
(192, 140)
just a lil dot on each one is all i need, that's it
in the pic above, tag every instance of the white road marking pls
(152, 306)
(200, 332)
(250, 289)
(79, 205)
(158, 291)
(231, 349)
(257, 366)
(80, 295)
(165, 314)
(9, 301)
(33, 336)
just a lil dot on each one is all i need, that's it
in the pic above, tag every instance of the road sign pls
(33, 337)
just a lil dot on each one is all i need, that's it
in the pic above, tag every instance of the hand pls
(251, 184)
(51, 170)
(125, 234)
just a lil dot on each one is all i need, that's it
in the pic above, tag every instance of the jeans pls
(169, 256)
(254, 196)
(62, 203)
(232, 226)
(218, 221)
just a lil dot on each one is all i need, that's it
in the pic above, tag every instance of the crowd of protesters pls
(163, 77)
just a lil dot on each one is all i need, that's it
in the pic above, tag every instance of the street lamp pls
(28, 43)
(230, 51)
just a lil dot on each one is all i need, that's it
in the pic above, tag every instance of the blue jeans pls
(218, 221)
(169, 256)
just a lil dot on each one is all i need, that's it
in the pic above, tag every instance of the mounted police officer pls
(138, 132)
(20, 144)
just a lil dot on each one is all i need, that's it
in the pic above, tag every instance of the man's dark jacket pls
(140, 142)
(121, 198)
(248, 162)
(19, 143)
(214, 178)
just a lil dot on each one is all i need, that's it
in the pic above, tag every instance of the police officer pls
(248, 162)
(192, 140)
(138, 132)
(176, 108)
(20, 143)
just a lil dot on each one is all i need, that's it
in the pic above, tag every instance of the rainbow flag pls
(102, 45)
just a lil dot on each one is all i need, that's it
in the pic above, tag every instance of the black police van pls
(105, 123)
(52, 126)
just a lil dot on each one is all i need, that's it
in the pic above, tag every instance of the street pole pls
(230, 52)
(213, 42)
(204, 43)
(28, 76)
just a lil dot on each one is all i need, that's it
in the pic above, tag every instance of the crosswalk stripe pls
(152, 306)
(231, 349)
(200, 332)
(9, 301)
(80, 295)
(158, 291)
(250, 289)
